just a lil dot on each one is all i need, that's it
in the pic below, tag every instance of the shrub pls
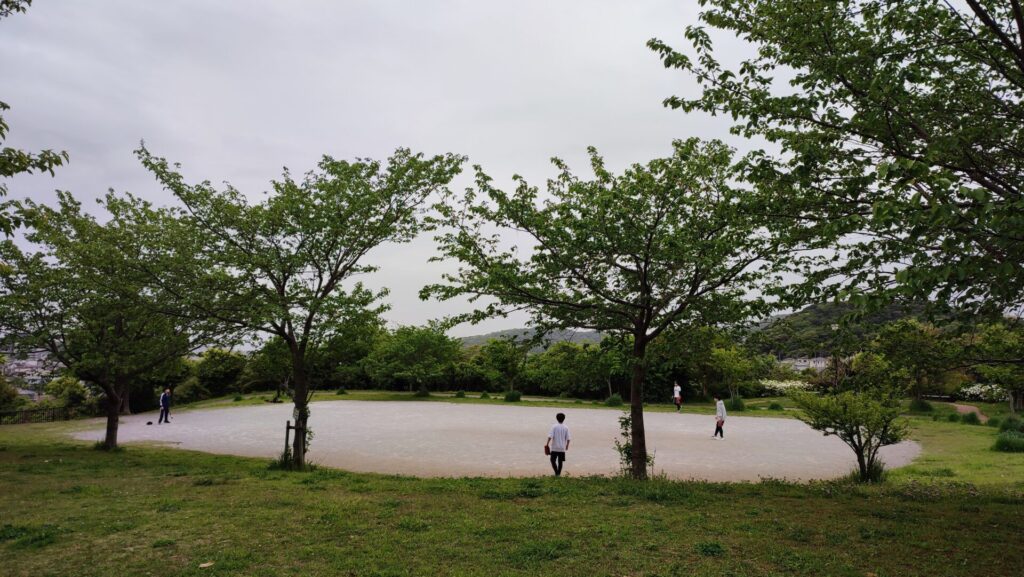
(237, 398)
(484, 395)
(970, 419)
(460, 394)
(1012, 423)
(189, 391)
(936, 417)
(773, 387)
(776, 406)
(735, 404)
(985, 393)
(1009, 442)
(921, 406)
(513, 397)
(953, 417)
(421, 392)
(994, 422)
(341, 391)
(563, 395)
(614, 400)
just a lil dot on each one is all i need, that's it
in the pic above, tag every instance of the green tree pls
(995, 351)
(664, 244)
(418, 357)
(918, 350)
(903, 120)
(12, 160)
(67, 389)
(80, 297)
(731, 366)
(865, 420)
(502, 361)
(219, 370)
(280, 267)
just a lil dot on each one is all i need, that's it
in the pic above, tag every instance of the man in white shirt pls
(719, 418)
(677, 396)
(558, 443)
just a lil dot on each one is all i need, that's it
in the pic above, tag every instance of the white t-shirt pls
(560, 437)
(720, 410)
(677, 391)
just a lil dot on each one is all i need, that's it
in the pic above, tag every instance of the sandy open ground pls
(448, 439)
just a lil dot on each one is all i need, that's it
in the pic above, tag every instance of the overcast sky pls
(236, 90)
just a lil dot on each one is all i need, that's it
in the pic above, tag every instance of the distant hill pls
(809, 332)
(556, 336)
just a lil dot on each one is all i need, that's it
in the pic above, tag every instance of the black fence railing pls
(44, 415)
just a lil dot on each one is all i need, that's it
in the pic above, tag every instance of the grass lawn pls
(67, 509)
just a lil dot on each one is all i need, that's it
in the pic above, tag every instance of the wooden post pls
(287, 431)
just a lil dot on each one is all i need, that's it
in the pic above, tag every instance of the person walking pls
(719, 418)
(677, 396)
(558, 443)
(165, 407)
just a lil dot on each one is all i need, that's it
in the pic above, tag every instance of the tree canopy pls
(900, 121)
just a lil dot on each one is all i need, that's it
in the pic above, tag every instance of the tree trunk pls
(126, 408)
(113, 415)
(300, 399)
(636, 409)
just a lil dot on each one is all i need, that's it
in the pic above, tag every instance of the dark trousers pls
(557, 459)
(165, 415)
(678, 401)
(718, 429)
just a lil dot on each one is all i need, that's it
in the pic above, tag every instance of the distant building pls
(803, 363)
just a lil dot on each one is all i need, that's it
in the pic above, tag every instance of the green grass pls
(962, 453)
(70, 510)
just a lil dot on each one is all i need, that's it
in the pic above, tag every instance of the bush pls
(614, 400)
(985, 393)
(921, 406)
(341, 391)
(238, 398)
(460, 394)
(1012, 423)
(190, 391)
(484, 395)
(735, 404)
(513, 397)
(421, 392)
(563, 395)
(776, 406)
(970, 419)
(1009, 442)
(953, 417)
(994, 422)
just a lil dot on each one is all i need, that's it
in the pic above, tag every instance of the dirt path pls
(964, 409)
(446, 439)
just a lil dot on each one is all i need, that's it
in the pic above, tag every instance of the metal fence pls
(37, 415)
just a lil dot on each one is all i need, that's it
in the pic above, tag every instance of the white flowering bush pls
(780, 388)
(984, 393)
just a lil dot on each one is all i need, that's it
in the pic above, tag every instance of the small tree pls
(865, 420)
(996, 353)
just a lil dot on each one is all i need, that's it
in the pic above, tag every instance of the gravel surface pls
(438, 439)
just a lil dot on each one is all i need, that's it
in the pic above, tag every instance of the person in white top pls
(719, 418)
(558, 443)
(677, 396)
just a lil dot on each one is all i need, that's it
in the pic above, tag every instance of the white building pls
(802, 363)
